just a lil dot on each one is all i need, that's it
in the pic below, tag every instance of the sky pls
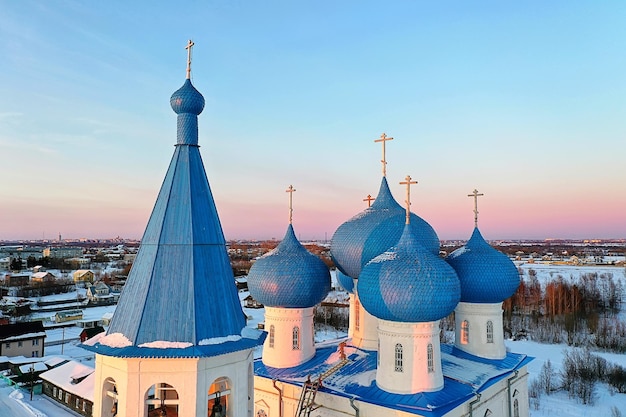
(524, 101)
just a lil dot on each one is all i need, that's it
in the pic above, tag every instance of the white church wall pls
(190, 378)
(404, 366)
(478, 341)
(365, 335)
(279, 349)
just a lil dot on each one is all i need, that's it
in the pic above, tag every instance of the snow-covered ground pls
(18, 404)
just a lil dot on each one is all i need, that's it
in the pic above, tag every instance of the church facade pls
(196, 358)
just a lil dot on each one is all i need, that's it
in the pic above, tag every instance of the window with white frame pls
(398, 361)
(272, 330)
(430, 358)
(489, 331)
(296, 338)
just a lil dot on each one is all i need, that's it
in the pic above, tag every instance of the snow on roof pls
(24, 336)
(464, 376)
(20, 360)
(64, 377)
(163, 344)
(55, 360)
(36, 367)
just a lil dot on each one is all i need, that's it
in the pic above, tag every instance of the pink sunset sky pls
(524, 102)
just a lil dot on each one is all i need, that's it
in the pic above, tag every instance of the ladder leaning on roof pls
(309, 390)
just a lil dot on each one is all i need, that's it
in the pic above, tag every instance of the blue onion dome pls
(187, 100)
(289, 276)
(408, 283)
(375, 230)
(486, 275)
(346, 282)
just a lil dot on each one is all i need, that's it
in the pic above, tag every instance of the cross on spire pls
(190, 44)
(290, 190)
(407, 181)
(369, 200)
(384, 138)
(475, 194)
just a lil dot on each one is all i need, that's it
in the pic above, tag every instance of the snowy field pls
(17, 403)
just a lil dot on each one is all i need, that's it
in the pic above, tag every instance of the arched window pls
(357, 319)
(515, 408)
(296, 338)
(271, 336)
(430, 358)
(161, 398)
(219, 401)
(398, 362)
(465, 332)
(489, 331)
(109, 397)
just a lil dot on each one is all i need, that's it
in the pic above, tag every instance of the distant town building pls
(22, 339)
(16, 280)
(63, 252)
(42, 277)
(101, 293)
(69, 315)
(83, 275)
(72, 385)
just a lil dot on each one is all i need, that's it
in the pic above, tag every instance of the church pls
(196, 358)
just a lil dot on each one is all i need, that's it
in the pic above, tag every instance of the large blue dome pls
(486, 275)
(187, 99)
(408, 283)
(375, 230)
(289, 276)
(346, 282)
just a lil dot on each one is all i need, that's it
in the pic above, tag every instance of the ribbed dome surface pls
(409, 284)
(375, 230)
(346, 282)
(187, 100)
(486, 275)
(289, 276)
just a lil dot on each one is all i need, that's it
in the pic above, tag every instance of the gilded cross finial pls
(369, 200)
(407, 181)
(290, 190)
(475, 194)
(190, 44)
(384, 138)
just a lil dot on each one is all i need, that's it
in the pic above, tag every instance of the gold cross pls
(369, 200)
(190, 44)
(383, 139)
(475, 194)
(290, 190)
(408, 183)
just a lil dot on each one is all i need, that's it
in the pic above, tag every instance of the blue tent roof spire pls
(181, 288)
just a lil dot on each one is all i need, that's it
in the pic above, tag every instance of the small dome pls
(346, 282)
(486, 275)
(409, 284)
(289, 276)
(187, 100)
(375, 230)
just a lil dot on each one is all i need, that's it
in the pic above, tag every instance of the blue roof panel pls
(182, 266)
(464, 376)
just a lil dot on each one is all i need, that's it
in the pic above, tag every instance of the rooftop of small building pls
(465, 375)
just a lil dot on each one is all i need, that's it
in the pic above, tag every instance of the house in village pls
(16, 280)
(83, 275)
(25, 339)
(72, 385)
(42, 277)
(101, 294)
(89, 332)
(68, 315)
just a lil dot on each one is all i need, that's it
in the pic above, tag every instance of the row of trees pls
(580, 373)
